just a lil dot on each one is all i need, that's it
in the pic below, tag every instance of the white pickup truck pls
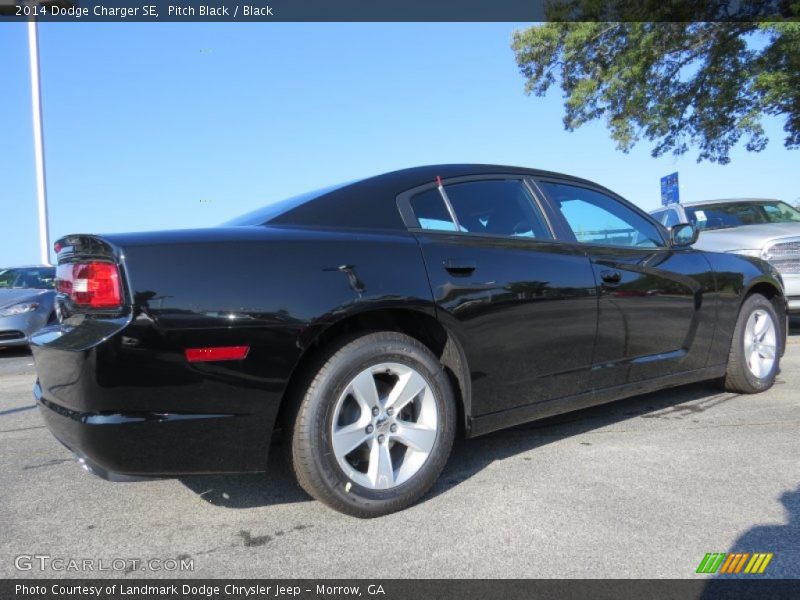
(768, 229)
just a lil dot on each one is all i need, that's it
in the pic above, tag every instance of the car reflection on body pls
(26, 302)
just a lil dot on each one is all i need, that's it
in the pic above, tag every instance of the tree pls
(678, 84)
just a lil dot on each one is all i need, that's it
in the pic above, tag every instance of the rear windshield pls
(263, 215)
(34, 278)
(735, 214)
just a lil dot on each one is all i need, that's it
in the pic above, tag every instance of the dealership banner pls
(383, 10)
(394, 589)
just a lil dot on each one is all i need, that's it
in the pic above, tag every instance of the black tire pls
(312, 455)
(738, 377)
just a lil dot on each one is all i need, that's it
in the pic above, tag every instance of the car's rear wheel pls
(755, 348)
(375, 426)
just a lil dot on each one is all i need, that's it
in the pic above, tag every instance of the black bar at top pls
(395, 10)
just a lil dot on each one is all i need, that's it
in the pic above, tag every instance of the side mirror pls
(683, 234)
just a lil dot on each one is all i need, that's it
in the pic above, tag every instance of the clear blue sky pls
(187, 125)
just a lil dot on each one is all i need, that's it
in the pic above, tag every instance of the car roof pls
(725, 200)
(414, 176)
(369, 202)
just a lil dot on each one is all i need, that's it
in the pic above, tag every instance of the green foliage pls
(679, 85)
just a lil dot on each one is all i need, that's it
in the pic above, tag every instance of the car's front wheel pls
(375, 426)
(755, 348)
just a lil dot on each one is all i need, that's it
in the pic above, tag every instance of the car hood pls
(9, 297)
(746, 237)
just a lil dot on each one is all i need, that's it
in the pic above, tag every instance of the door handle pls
(459, 267)
(612, 277)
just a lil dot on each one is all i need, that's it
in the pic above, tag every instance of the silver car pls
(768, 229)
(26, 302)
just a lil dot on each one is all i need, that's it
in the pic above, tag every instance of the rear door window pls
(431, 211)
(498, 207)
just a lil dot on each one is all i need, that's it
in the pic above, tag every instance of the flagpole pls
(38, 141)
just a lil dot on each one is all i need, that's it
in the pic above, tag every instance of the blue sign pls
(669, 189)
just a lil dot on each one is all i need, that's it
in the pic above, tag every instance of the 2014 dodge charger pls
(374, 320)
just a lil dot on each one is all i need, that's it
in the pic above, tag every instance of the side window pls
(598, 219)
(670, 219)
(773, 212)
(431, 212)
(493, 207)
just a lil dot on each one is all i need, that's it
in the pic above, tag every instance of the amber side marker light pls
(216, 353)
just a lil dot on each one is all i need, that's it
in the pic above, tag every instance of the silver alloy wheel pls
(760, 345)
(384, 425)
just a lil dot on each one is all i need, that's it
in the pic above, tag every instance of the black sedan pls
(376, 320)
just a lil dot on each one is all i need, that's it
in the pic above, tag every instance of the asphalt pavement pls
(644, 487)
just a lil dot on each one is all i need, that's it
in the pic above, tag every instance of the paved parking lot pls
(640, 488)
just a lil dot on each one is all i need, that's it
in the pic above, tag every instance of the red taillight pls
(216, 353)
(90, 284)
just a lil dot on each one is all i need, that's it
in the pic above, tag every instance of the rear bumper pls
(151, 444)
(142, 410)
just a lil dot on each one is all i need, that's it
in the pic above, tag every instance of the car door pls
(522, 306)
(655, 318)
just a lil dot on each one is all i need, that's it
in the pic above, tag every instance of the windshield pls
(735, 214)
(35, 278)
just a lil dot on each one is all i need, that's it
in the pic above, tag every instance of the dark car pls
(376, 320)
